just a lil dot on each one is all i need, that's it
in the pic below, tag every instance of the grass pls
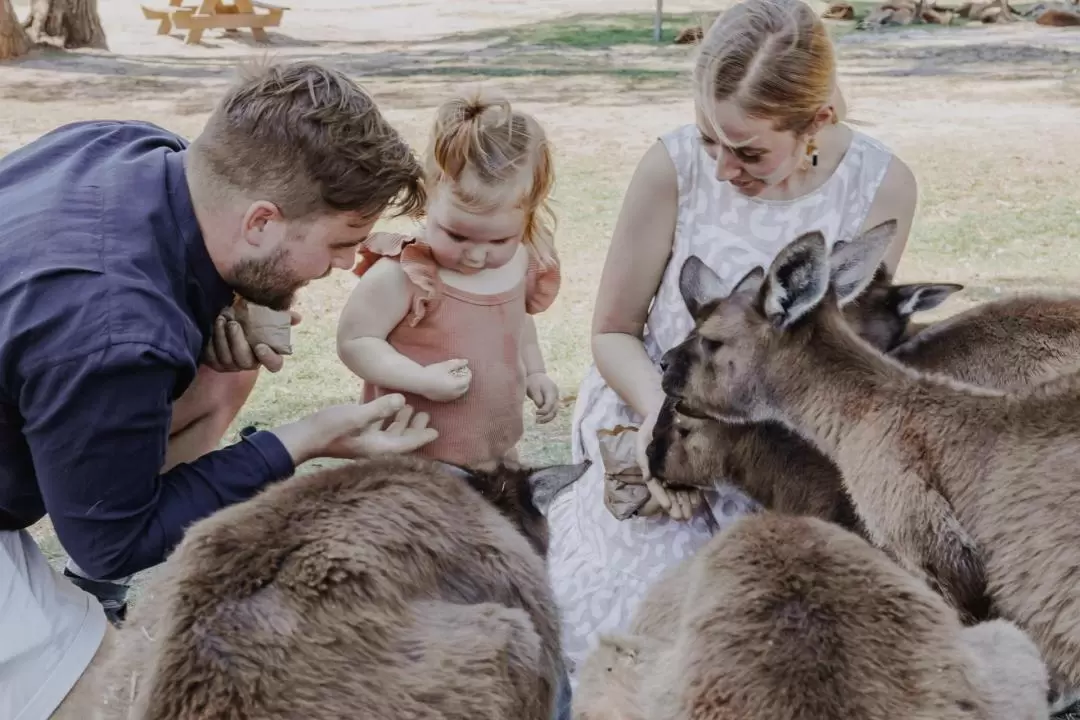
(593, 31)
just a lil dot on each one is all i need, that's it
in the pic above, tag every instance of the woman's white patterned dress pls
(601, 566)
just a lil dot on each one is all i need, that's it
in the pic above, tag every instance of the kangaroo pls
(392, 587)
(775, 467)
(973, 488)
(772, 465)
(1058, 18)
(1006, 344)
(782, 616)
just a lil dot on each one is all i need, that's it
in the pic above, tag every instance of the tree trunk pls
(13, 38)
(67, 23)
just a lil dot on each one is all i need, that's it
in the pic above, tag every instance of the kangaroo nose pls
(665, 360)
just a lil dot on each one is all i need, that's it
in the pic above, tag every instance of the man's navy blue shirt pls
(107, 298)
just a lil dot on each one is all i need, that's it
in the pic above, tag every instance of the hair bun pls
(473, 109)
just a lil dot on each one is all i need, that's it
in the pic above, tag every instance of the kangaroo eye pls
(711, 345)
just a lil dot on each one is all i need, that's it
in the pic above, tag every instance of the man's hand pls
(352, 431)
(356, 431)
(230, 351)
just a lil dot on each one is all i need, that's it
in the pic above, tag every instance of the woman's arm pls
(896, 198)
(377, 304)
(636, 258)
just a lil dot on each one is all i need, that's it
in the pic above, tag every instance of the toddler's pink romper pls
(444, 323)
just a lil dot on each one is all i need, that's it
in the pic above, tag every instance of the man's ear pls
(259, 223)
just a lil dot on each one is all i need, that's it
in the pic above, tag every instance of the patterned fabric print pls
(600, 566)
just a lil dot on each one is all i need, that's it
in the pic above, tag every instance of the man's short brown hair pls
(310, 140)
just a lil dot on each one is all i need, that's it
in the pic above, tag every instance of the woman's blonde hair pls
(494, 154)
(774, 58)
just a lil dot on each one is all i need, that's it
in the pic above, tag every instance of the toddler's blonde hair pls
(494, 154)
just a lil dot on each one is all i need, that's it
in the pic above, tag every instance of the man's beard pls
(266, 282)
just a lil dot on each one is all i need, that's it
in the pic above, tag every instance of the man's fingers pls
(410, 440)
(221, 343)
(295, 317)
(239, 346)
(268, 358)
(420, 421)
(378, 409)
(401, 421)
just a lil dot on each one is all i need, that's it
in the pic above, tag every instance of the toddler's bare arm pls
(377, 304)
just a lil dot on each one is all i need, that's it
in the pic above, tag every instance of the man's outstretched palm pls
(357, 431)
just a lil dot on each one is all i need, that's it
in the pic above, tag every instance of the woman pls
(767, 159)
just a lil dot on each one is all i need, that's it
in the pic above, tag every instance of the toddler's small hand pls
(544, 393)
(447, 380)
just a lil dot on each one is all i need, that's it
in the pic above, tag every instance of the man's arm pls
(97, 428)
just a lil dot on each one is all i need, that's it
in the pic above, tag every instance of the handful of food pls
(626, 492)
(263, 325)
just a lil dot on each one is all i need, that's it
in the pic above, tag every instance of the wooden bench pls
(216, 15)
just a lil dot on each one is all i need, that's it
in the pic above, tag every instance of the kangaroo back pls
(386, 588)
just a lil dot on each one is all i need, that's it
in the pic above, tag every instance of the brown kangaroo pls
(772, 465)
(792, 617)
(1004, 344)
(388, 588)
(976, 489)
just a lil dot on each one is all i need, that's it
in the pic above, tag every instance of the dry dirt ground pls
(987, 117)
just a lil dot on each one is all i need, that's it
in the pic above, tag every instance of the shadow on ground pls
(615, 50)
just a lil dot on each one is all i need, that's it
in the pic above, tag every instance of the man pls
(121, 246)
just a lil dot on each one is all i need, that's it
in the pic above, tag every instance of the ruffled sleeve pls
(377, 246)
(542, 286)
(416, 260)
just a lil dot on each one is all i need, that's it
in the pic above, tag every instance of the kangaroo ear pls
(547, 482)
(910, 299)
(797, 280)
(751, 281)
(853, 263)
(699, 285)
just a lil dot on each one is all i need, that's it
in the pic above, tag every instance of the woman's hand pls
(230, 351)
(678, 504)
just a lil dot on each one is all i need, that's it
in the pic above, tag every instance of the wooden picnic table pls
(254, 15)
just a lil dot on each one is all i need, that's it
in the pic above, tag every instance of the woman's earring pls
(811, 150)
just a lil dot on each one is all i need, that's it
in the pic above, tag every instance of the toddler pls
(445, 318)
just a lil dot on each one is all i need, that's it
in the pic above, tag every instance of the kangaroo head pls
(881, 314)
(522, 494)
(691, 451)
(687, 450)
(722, 369)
